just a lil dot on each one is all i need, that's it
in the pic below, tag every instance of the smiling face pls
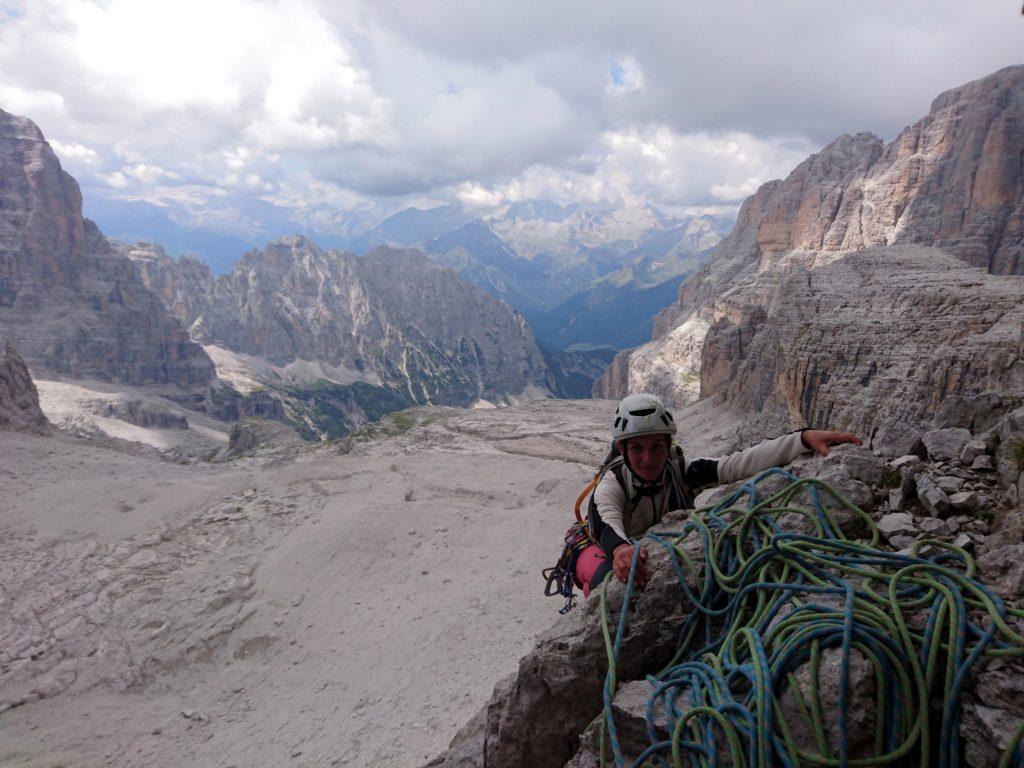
(647, 455)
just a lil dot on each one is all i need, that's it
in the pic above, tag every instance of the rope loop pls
(782, 621)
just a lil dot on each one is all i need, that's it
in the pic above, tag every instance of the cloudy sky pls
(686, 105)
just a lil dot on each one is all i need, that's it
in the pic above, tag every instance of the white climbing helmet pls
(642, 414)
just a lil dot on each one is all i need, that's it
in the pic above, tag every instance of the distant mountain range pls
(584, 277)
(344, 339)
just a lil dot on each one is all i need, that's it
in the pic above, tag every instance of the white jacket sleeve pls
(757, 458)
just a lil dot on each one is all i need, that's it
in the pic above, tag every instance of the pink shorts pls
(589, 560)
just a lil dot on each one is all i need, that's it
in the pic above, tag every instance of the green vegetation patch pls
(1017, 453)
(399, 423)
(891, 478)
(324, 410)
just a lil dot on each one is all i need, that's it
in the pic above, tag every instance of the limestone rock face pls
(952, 180)
(179, 283)
(844, 294)
(140, 413)
(69, 303)
(19, 400)
(885, 341)
(392, 318)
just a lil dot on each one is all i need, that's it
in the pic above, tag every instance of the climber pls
(653, 478)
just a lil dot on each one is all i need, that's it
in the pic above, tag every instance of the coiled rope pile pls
(766, 603)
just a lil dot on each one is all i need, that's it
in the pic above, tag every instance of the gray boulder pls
(932, 497)
(1009, 455)
(984, 463)
(19, 399)
(897, 499)
(964, 500)
(933, 526)
(949, 484)
(972, 449)
(945, 444)
(993, 712)
(897, 523)
(1003, 568)
(910, 460)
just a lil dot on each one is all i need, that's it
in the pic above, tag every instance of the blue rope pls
(761, 624)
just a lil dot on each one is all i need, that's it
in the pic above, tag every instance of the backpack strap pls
(615, 465)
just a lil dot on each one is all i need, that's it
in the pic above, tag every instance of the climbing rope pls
(769, 605)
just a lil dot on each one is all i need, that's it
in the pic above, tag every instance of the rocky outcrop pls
(19, 400)
(70, 303)
(252, 435)
(537, 715)
(139, 413)
(844, 294)
(887, 342)
(952, 180)
(178, 283)
(392, 319)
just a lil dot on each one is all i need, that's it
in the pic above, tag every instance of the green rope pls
(768, 603)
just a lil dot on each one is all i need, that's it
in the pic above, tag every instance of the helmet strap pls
(643, 487)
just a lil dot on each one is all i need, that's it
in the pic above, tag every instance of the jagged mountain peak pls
(1007, 82)
(952, 179)
(415, 226)
(71, 303)
(19, 127)
(533, 210)
(389, 329)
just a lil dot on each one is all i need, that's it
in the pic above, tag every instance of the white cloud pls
(736, 192)
(74, 153)
(145, 174)
(172, 89)
(316, 97)
(27, 101)
(386, 103)
(476, 196)
(659, 164)
(189, 195)
(654, 164)
(138, 47)
(116, 180)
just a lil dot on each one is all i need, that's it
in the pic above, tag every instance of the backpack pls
(560, 578)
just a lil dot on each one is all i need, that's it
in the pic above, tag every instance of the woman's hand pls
(819, 440)
(622, 560)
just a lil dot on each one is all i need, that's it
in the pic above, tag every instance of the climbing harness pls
(768, 605)
(560, 578)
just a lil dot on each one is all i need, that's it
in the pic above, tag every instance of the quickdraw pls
(560, 578)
